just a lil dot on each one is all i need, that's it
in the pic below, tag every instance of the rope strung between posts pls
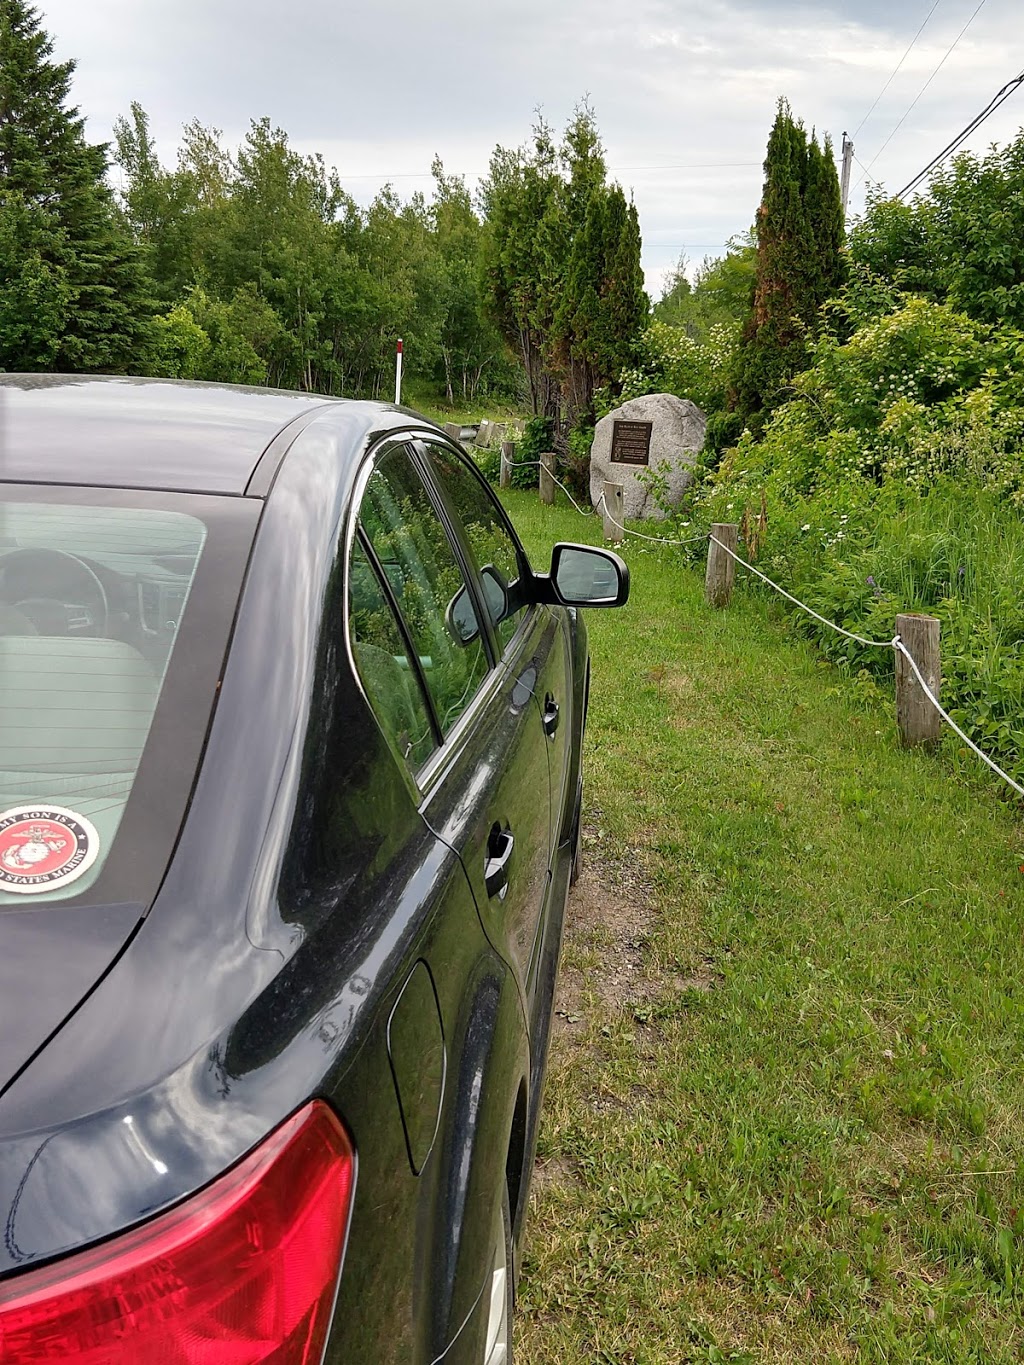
(850, 635)
(895, 644)
(653, 540)
(639, 535)
(538, 464)
(898, 644)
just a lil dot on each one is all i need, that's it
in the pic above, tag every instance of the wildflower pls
(870, 581)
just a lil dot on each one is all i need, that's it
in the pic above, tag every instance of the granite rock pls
(677, 437)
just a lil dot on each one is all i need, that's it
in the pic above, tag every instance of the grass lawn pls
(438, 410)
(784, 1117)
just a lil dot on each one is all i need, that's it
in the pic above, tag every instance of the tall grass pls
(860, 554)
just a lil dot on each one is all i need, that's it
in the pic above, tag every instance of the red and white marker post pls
(398, 372)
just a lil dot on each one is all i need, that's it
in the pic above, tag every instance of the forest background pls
(863, 386)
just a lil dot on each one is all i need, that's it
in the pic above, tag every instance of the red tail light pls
(243, 1274)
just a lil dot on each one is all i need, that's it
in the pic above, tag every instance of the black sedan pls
(290, 789)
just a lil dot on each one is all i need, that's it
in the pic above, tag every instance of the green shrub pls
(489, 463)
(538, 436)
(893, 481)
(723, 430)
(673, 361)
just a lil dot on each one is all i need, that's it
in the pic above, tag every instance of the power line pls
(927, 83)
(999, 98)
(861, 165)
(896, 72)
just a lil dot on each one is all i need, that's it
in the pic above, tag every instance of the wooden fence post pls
(505, 468)
(547, 482)
(721, 572)
(917, 718)
(612, 511)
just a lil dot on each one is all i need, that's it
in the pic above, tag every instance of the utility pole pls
(847, 169)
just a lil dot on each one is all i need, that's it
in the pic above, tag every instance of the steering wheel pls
(44, 573)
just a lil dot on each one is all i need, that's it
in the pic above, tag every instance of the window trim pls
(422, 779)
(525, 568)
(383, 582)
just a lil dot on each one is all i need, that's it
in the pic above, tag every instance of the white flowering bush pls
(921, 392)
(673, 361)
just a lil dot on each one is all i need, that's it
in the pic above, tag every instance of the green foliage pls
(36, 294)
(889, 244)
(561, 265)
(204, 338)
(962, 242)
(297, 287)
(488, 461)
(673, 361)
(720, 295)
(73, 293)
(182, 345)
(799, 265)
(723, 430)
(894, 481)
(472, 353)
(538, 436)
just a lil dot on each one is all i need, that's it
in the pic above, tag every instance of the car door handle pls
(550, 716)
(499, 855)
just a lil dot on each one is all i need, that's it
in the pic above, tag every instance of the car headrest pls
(73, 705)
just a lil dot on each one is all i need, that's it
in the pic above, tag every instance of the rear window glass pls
(91, 604)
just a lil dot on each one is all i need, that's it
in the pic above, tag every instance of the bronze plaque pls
(631, 442)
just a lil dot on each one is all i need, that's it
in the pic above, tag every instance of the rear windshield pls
(95, 605)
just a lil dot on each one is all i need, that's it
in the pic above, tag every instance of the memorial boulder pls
(659, 432)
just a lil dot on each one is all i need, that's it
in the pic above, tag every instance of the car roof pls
(118, 432)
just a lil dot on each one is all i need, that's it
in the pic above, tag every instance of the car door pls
(485, 778)
(530, 721)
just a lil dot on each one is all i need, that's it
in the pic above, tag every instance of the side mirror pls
(461, 614)
(584, 576)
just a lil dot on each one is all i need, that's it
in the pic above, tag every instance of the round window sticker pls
(43, 848)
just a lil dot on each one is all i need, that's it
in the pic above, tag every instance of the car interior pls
(85, 639)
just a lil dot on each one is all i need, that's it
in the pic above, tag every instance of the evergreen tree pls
(626, 305)
(562, 267)
(520, 255)
(799, 236)
(73, 293)
(580, 321)
(823, 204)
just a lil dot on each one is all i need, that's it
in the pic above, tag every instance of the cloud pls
(688, 86)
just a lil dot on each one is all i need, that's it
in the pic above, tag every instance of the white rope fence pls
(895, 644)
(653, 540)
(596, 511)
(850, 635)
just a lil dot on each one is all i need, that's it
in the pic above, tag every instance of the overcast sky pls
(684, 90)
